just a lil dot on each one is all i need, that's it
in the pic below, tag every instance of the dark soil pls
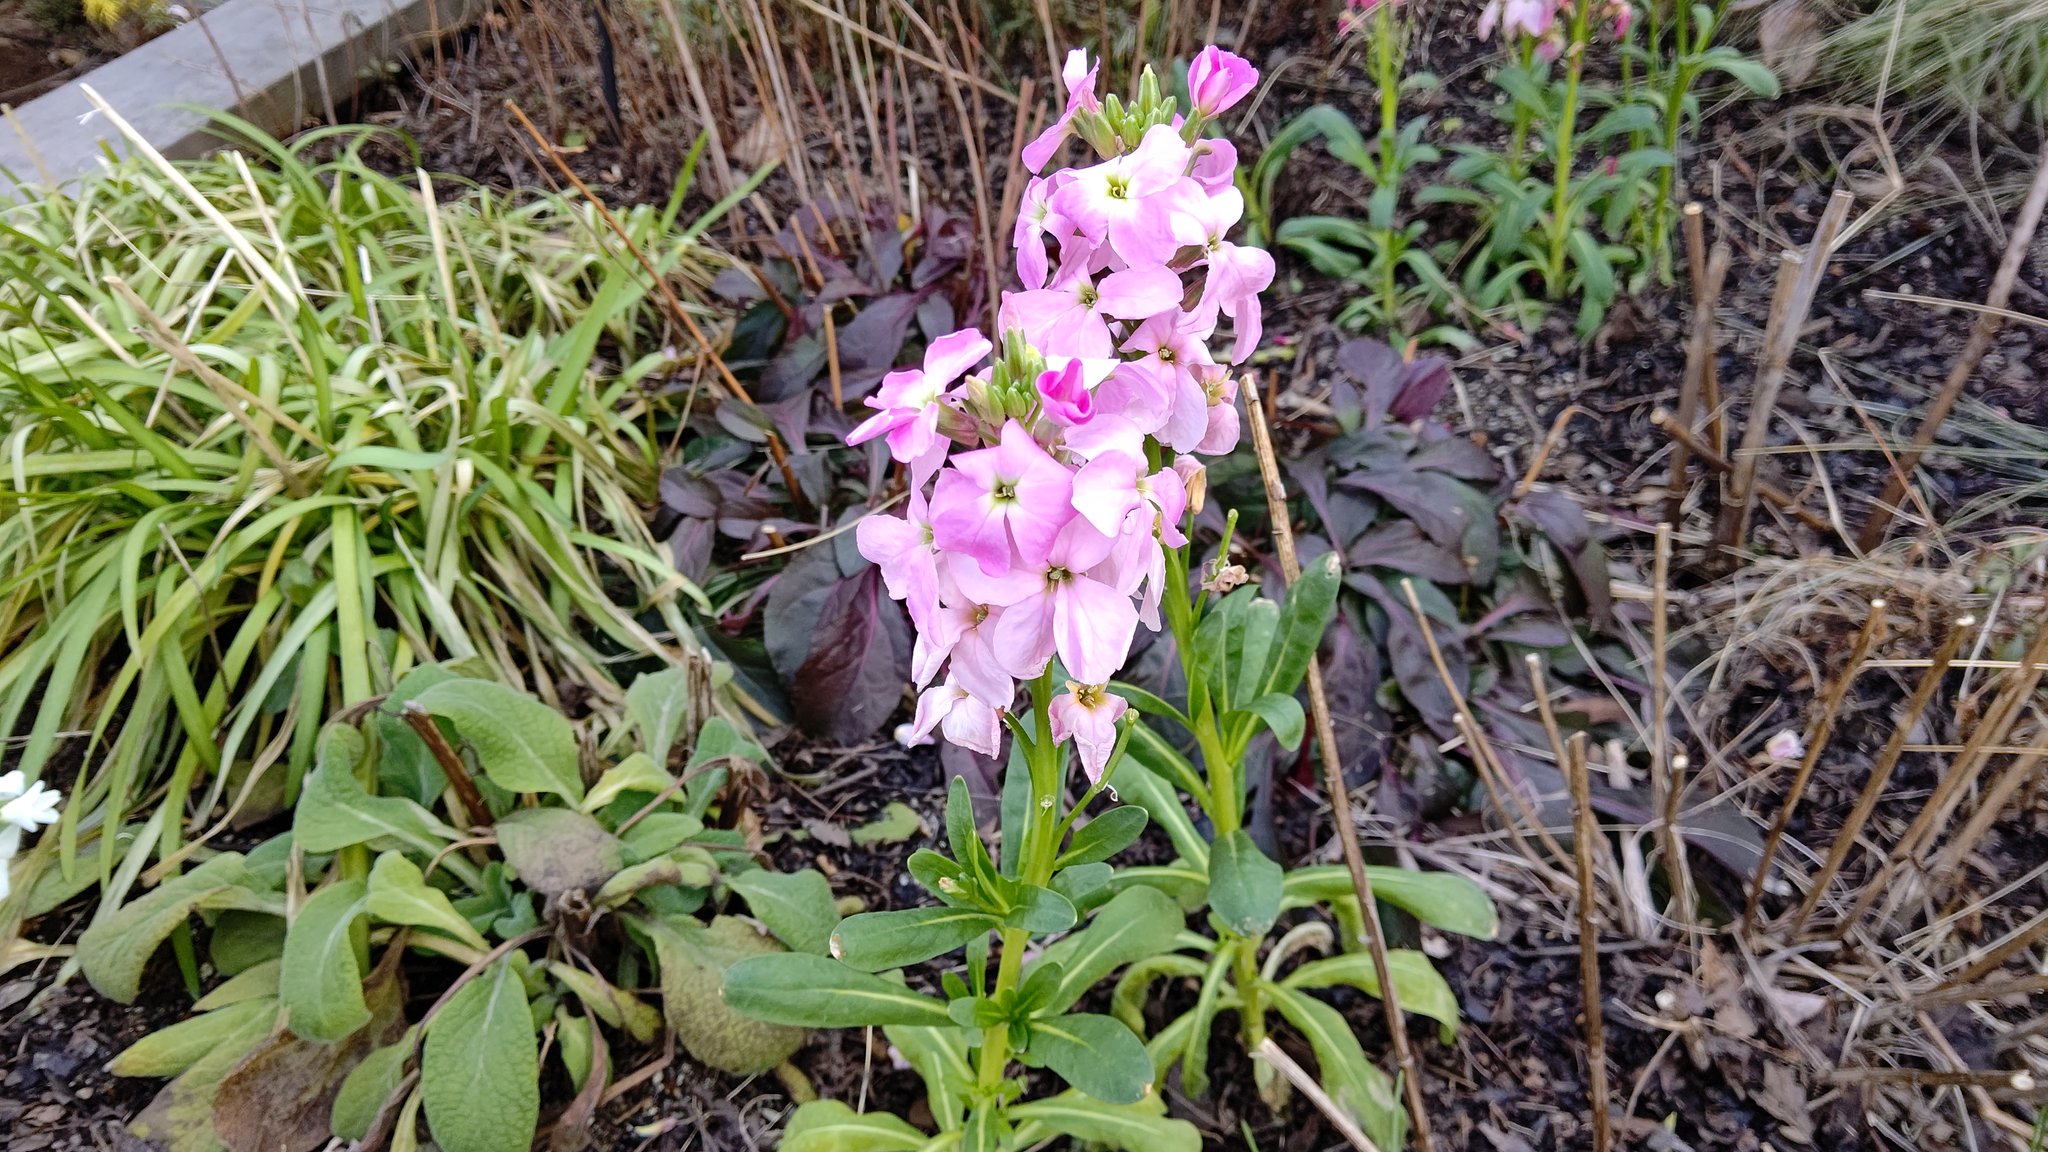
(55, 1092)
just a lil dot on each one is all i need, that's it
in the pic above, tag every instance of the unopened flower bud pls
(1194, 476)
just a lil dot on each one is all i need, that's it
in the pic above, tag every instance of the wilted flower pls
(1785, 745)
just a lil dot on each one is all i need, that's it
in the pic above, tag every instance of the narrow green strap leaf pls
(818, 992)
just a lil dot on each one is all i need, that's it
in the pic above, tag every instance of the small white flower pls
(30, 809)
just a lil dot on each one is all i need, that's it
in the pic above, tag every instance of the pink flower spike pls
(1088, 713)
(1035, 221)
(1069, 611)
(1079, 76)
(901, 546)
(1113, 485)
(993, 498)
(1215, 166)
(1219, 79)
(1064, 396)
(1067, 319)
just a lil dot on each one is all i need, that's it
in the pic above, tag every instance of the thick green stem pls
(1518, 149)
(1385, 35)
(1251, 1012)
(1035, 858)
(1561, 178)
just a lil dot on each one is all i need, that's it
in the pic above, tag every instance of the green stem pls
(1519, 148)
(1252, 1012)
(1384, 37)
(1561, 178)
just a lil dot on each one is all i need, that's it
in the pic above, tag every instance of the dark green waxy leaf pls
(1096, 1054)
(1139, 922)
(695, 960)
(796, 906)
(1422, 988)
(399, 894)
(522, 744)
(829, 1126)
(1440, 899)
(480, 1066)
(557, 850)
(1139, 1127)
(1245, 886)
(115, 948)
(1104, 836)
(874, 941)
(168, 1052)
(1085, 886)
(941, 877)
(320, 984)
(809, 991)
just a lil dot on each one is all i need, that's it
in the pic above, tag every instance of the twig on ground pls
(1770, 492)
(1667, 770)
(1710, 273)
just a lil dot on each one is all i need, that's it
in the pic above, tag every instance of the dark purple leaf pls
(1455, 455)
(796, 596)
(690, 495)
(1416, 673)
(1399, 545)
(1352, 672)
(888, 245)
(1530, 632)
(1557, 516)
(689, 547)
(853, 678)
(1380, 372)
(947, 241)
(737, 285)
(1589, 565)
(1370, 450)
(935, 317)
(1437, 503)
(1423, 383)
(743, 420)
(794, 369)
(872, 343)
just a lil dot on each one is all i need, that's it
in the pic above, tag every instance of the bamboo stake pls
(1781, 335)
(1881, 773)
(1585, 830)
(1699, 360)
(1818, 731)
(1333, 781)
(1339, 1118)
(1981, 332)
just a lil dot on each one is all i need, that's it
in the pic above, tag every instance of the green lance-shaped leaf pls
(1245, 886)
(1311, 601)
(876, 941)
(939, 1056)
(1281, 713)
(1439, 899)
(796, 906)
(829, 1126)
(368, 1085)
(1139, 1127)
(1421, 986)
(1104, 836)
(400, 894)
(480, 1066)
(334, 811)
(809, 991)
(320, 984)
(113, 951)
(658, 706)
(636, 773)
(170, 1051)
(1350, 1079)
(522, 744)
(1139, 922)
(1096, 1054)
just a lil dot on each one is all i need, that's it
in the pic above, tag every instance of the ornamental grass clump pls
(1052, 475)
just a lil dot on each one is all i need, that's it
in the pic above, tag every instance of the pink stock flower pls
(1119, 200)
(1036, 221)
(1220, 431)
(1088, 713)
(1067, 319)
(1517, 17)
(953, 710)
(1064, 397)
(1236, 273)
(993, 498)
(908, 401)
(1623, 14)
(1215, 164)
(1219, 79)
(965, 637)
(1060, 606)
(902, 547)
(1080, 80)
(1112, 486)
